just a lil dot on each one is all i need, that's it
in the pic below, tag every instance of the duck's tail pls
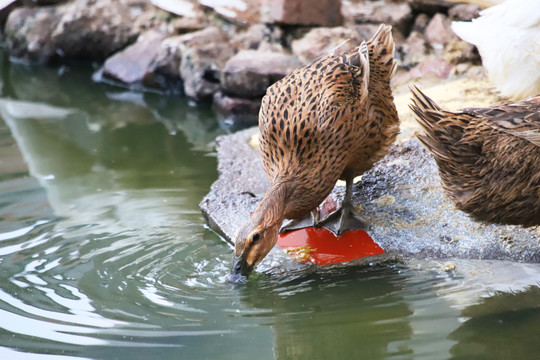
(381, 55)
(440, 137)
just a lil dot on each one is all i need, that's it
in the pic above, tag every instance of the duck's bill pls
(240, 270)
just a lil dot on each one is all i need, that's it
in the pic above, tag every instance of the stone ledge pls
(409, 215)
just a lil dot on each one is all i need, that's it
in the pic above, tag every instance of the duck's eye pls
(256, 237)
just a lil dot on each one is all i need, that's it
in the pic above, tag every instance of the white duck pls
(507, 36)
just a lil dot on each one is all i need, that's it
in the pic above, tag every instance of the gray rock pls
(204, 53)
(131, 64)
(163, 73)
(89, 29)
(438, 31)
(420, 23)
(248, 73)
(300, 12)
(320, 41)
(464, 12)
(418, 222)
(28, 34)
(414, 48)
(95, 29)
(399, 15)
(260, 37)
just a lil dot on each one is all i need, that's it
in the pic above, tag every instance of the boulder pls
(163, 73)
(88, 29)
(438, 32)
(94, 29)
(301, 12)
(464, 12)
(131, 64)
(204, 53)
(28, 34)
(320, 41)
(249, 73)
(399, 15)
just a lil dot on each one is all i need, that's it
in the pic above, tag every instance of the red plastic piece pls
(322, 247)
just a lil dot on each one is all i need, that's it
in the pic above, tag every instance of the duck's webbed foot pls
(309, 220)
(343, 219)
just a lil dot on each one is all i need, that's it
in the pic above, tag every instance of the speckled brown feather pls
(488, 158)
(332, 117)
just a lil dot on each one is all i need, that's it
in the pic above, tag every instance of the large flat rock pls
(409, 215)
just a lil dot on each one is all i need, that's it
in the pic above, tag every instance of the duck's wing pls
(521, 119)
(297, 110)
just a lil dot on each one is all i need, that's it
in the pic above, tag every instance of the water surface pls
(104, 253)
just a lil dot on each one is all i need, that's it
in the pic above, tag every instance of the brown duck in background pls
(329, 120)
(488, 158)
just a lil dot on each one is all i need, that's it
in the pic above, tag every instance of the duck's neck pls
(271, 211)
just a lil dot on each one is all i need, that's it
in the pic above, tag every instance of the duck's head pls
(253, 242)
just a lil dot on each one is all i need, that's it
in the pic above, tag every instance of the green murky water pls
(104, 253)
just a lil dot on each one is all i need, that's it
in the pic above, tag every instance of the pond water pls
(104, 253)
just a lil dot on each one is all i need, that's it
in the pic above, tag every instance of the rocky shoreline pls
(228, 55)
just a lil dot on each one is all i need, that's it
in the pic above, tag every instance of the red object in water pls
(320, 246)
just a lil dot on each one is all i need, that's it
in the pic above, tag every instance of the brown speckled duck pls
(488, 158)
(329, 120)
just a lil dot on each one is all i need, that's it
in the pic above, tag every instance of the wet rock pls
(131, 64)
(204, 53)
(28, 34)
(300, 12)
(438, 31)
(320, 41)
(95, 29)
(420, 222)
(464, 12)
(163, 72)
(398, 15)
(249, 73)
(236, 113)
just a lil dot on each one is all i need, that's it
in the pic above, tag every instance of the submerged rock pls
(419, 222)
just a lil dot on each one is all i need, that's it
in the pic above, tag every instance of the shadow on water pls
(104, 253)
